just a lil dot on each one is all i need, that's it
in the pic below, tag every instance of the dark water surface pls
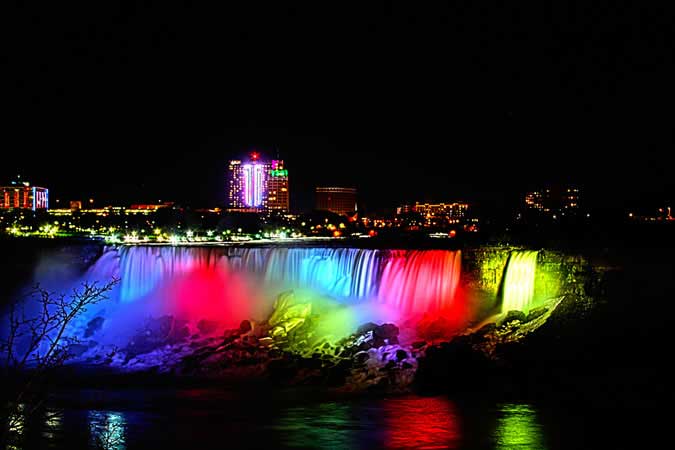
(213, 418)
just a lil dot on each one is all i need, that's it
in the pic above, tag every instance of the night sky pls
(460, 100)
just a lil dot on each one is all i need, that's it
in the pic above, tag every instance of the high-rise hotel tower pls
(257, 185)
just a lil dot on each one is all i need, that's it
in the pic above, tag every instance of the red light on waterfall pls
(416, 281)
(444, 324)
(452, 233)
(204, 293)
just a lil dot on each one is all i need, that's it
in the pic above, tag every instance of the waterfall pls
(519, 281)
(420, 280)
(412, 281)
(144, 268)
(342, 272)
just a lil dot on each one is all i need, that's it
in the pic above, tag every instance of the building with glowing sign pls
(21, 195)
(278, 199)
(257, 185)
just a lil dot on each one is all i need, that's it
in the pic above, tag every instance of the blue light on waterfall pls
(413, 281)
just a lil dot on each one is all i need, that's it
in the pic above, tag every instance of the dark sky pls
(468, 100)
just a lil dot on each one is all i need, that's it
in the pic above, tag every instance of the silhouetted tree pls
(35, 344)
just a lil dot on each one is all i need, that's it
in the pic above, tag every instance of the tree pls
(36, 343)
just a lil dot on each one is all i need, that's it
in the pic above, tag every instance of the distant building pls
(278, 199)
(405, 209)
(434, 214)
(257, 185)
(563, 200)
(339, 200)
(455, 210)
(150, 207)
(21, 195)
(235, 185)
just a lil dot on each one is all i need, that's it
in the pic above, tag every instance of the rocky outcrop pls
(158, 332)
(206, 327)
(290, 348)
(293, 347)
(93, 326)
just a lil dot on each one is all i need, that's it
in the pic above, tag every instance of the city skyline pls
(448, 111)
(301, 201)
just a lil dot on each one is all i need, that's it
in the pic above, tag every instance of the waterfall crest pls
(412, 281)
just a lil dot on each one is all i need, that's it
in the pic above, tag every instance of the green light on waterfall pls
(312, 320)
(335, 323)
(519, 281)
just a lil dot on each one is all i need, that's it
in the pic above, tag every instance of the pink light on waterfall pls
(216, 294)
(231, 284)
(416, 281)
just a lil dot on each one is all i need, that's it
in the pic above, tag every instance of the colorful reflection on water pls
(519, 427)
(428, 422)
(323, 426)
(209, 419)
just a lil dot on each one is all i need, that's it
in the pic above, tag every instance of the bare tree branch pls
(37, 343)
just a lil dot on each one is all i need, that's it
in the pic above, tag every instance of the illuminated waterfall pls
(143, 269)
(420, 280)
(341, 272)
(412, 281)
(519, 281)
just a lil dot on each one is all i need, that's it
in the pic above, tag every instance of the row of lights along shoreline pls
(257, 205)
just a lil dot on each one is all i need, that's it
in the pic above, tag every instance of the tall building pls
(339, 200)
(235, 185)
(278, 199)
(21, 195)
(257, 185)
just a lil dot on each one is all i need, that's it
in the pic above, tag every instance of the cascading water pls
(519, 281)
(348, 273)
(143, 269)
(411, 281)
(171, 291)
(418, 281)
